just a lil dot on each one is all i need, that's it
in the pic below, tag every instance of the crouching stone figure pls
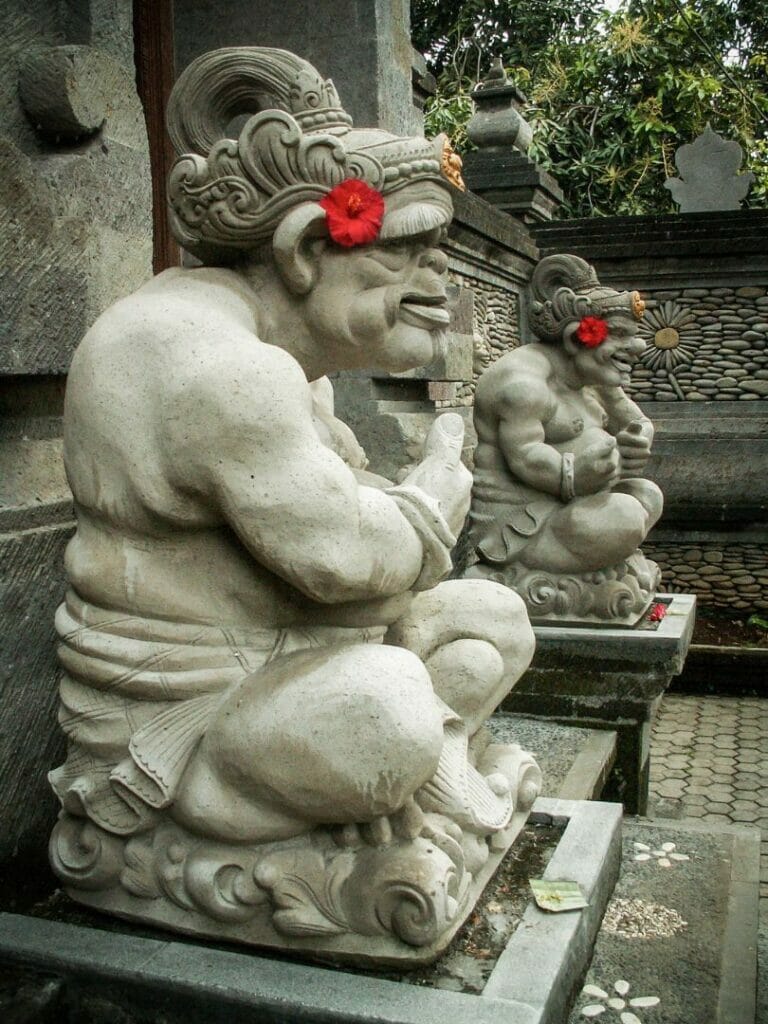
(560, 505)
(273, 705)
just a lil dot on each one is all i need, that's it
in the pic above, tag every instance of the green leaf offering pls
(557, 896)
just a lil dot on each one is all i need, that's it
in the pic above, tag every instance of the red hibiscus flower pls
(354, 212)
(657, 612)
(592, 331)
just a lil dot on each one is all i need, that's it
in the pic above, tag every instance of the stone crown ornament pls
(565, 290)
(228, 195)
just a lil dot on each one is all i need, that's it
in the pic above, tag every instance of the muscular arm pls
(621, 410)
(631, 428)
(240, 436)
(522, 408)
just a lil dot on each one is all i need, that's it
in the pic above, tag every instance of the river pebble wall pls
(722, 353)
(721, 575)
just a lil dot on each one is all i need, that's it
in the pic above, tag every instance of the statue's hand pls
(597, 467)
(441, 473)
(634, 443)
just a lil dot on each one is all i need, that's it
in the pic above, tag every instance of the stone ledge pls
(663, 648)
(676, 234)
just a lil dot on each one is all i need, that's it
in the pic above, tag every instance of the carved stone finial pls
(497, 121)
(709, 178)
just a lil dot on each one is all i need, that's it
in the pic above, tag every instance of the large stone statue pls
(273, 705)
(559, 503)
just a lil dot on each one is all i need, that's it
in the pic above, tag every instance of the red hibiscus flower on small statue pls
(657, 612)
(354, 212)
(592, 331)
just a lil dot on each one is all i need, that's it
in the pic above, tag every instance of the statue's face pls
(611, 362)
(380, 306)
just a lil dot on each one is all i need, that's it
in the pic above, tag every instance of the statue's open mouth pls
(426, 311)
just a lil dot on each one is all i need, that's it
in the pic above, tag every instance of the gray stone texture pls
(76, 236)
(709, 174)
(363, 45)
(76, 200)
(722, 574)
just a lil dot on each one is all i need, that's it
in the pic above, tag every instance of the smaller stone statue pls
(709, 175)
(559, 503)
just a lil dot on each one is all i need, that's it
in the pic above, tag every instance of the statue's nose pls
(435, 259)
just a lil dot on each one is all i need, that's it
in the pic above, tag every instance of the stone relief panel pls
(496, 328)
(704, 344)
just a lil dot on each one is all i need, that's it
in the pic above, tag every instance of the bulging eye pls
(392, 255)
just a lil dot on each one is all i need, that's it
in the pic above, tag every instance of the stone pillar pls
(76, 235)
(363, 45)
(500, 170)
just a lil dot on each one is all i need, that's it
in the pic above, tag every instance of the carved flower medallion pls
(667, 328)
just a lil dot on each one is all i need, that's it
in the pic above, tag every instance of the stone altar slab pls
(609, 679)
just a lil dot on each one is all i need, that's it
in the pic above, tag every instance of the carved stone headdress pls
(565, 289)
(228, 195)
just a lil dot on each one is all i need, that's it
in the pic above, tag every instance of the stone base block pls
(108, 975)
(374, 901)
(609, 679)
(682, 927)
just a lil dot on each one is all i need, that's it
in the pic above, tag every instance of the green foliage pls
(612, 94)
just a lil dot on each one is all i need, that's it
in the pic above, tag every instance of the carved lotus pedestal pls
(394, 890)
(615, 596)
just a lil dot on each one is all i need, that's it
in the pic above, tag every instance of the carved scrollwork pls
(619, 594)
(83, 855)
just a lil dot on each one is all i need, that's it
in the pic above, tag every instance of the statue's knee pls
(349, 738)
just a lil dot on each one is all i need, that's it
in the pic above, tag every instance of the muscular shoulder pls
(518, 382)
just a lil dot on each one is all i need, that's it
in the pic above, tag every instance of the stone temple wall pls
(722, 574)
(704, 345)
(75, 236)
(703, 381)
(495, 329)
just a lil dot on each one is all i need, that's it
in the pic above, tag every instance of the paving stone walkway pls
(709, 761)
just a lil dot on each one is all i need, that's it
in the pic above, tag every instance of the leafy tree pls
(612, 94)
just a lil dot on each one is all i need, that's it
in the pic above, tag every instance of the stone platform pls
(603, 678)
(103, 976)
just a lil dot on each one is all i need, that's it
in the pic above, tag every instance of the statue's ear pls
(294, 248)
(570, 343)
